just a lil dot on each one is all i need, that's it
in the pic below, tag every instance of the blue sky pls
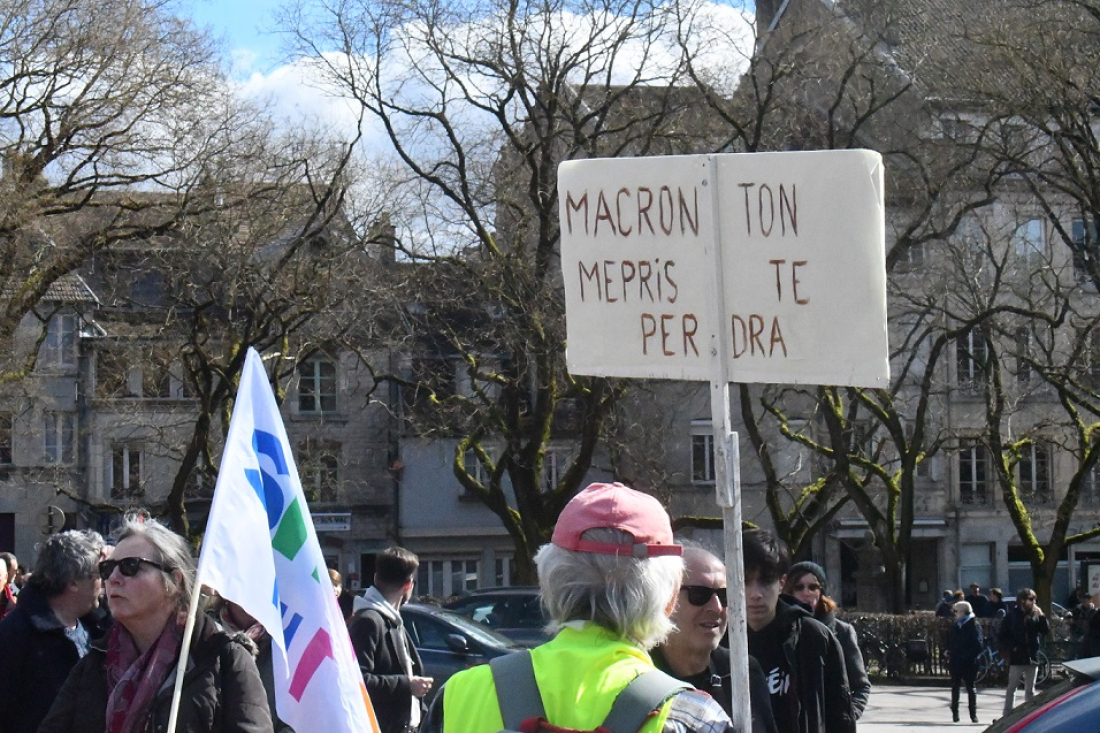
(245, 27)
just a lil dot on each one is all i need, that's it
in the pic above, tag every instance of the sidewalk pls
(897, 708)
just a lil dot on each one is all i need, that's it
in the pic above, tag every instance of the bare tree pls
(480, 105)
(111, 114)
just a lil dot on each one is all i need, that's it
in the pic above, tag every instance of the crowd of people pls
(91, 639)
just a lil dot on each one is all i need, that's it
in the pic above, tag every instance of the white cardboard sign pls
(801, 240)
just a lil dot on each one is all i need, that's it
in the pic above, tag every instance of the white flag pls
(261, 552)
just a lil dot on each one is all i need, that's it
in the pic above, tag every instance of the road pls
(898, 708)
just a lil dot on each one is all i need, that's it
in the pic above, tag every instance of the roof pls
(963, 52)
(69, 288)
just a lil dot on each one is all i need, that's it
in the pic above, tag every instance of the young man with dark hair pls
(1020, 635)
(391, 667)
(801, 658)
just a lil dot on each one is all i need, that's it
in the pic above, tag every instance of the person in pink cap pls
(609, 580)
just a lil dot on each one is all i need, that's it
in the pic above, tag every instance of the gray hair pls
(963, 606)
(626, 595)
(65, 558)
(172, 551)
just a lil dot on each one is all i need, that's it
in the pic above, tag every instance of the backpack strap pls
(632, 707)
(646, 693)
(515, 674)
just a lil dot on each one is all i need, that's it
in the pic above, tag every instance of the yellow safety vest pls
(579, 673)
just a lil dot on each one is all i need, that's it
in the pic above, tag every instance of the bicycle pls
(992, 665)
(880, 657)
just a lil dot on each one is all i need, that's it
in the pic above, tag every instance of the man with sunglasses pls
(1020, 634)
(692, 652)
(50, 628)
(802, 660)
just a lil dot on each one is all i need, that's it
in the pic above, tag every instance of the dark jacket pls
(858, 681)
(376, 637)
(717, 682)
(35, 659)
(222, 692)
(964, 644)
(817, 671)
(1090, 640)
(1019, 636)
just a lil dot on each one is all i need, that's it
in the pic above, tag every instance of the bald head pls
(701, 614)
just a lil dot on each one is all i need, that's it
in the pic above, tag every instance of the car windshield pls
(475, 630)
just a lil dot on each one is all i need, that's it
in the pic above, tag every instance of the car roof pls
(1089, 667)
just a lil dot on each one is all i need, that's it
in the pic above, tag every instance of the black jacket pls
(35, 659)
(964, 644)
(1019, 636)
(817, 668)
(222, 692)
(717, 682)
(375, 637)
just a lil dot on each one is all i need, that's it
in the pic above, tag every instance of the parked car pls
(1057, 610)
(449, 642)
(516, 612)
(1069, 706)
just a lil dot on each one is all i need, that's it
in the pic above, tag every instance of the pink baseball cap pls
(620, 507)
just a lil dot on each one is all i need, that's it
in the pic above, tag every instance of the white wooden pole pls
(727, 475)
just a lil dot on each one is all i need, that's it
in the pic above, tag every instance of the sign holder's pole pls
(727, 474)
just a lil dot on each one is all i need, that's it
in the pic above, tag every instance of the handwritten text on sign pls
(803, 265)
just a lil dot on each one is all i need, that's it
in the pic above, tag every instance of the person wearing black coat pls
(391, 667)
(50, 629)
(1019, 636)
(964, 645)
(806, 583)
(801, 658)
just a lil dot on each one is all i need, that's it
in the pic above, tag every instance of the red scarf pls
(133, 678)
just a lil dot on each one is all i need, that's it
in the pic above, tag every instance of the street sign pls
(801, 240)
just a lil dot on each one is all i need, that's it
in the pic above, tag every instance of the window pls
(555, 462)
(317, 386)
(319, 469)
(702, 452)
(1086, 251)
(1092, 358)
(1025, 344)
(59, 347)
(1034, 472)
(474, 467)
(912, 257)
(973, 473)
(156, 373)
(112, 374)
(976, 564)
(1090, 487)
(442, 578)
(58, 433)
(1028, 241)
(972, 358)
(5, 438)
(125, 471)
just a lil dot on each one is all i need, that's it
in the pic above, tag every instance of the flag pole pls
(181, 665)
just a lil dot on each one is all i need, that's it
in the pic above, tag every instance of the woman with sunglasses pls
(806, 583)
(125, 683)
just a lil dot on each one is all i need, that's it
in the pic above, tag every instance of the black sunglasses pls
(700, 595)
(129, 566)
